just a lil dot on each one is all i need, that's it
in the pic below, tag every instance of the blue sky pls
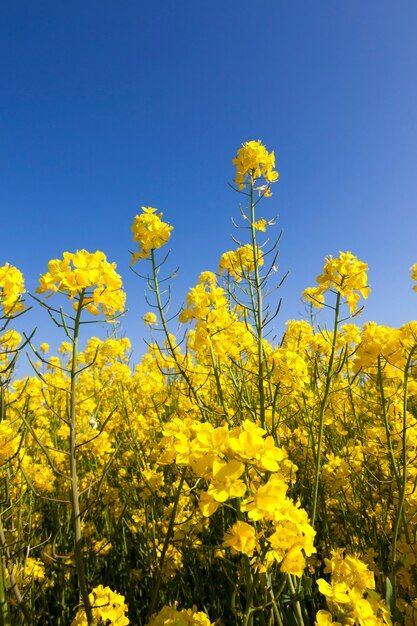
(107, 106)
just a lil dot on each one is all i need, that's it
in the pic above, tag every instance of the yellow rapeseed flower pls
(241, 537)
(150, 318)
(345, 274)
(12, 288)
(87, 272)
(108, 608)
(253, 161)
(149, 232)
(240, 262)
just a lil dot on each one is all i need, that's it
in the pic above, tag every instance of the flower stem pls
(75, 494)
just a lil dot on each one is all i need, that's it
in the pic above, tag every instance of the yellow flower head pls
(240, 262)
(350, 570)
(64, 347)
(31, 570)
(149, 232)
(108, 608)
(254, 161)
(241, 538)
(170, 616)
(150, 318)
(261, 225)
(9, 440)
(89, 273)
(345, 274)
(324, 618)
(12, 287)
(10, 341)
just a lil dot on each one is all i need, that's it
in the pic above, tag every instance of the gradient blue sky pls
(106, 106)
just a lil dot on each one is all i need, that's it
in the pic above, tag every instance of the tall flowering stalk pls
(12, 289)
(255, 171)
(93, 285)
(151, 233)
(346, 277)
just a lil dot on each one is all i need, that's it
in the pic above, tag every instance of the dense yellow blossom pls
(170, 616)
(241, 537)
(150, 318)
(31, 570)
(254, 161)
(149, 232)
(108, 608)
(9, 439)
(240, 262)
(89, 273)
(344, 274)
(350, 595)
(12, 288)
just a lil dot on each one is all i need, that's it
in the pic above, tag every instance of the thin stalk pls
(155, 590)
(75, 494)
(171, 346)
(259, 307)
(387, 427)
(403, 480)
(323, 406)
(4, 607)
(250, 589)
(298, 611)
(394, 466)
(6, 564)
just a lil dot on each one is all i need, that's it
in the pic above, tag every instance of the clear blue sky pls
(106, 106)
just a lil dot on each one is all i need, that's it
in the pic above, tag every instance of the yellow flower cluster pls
(345, 275)
(351, 596)
(31, 570)
(150, 318)
(149, 232)
(241, 537)
(108, 608)
(240, 262)
(289, 368)
(222, 456)
(9, 343)
(9, 440)
(12, 288)
(293, 537)
(87, 273)
(218, 330)
(253, 161)
(170, 616)
(10, 340)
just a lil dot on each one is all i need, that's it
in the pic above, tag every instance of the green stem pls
(298, 611)
(387, 427)
(259, 323)
(155, 590)
(75, 494)
(171, 346)
(4, 607)
(6, 564)
(323, 406)
(250, 589)
(403, 481)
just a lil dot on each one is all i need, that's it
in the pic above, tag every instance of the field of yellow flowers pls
(224, 479)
